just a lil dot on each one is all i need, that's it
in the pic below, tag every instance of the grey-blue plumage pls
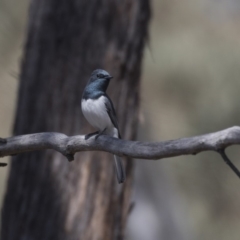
(99, 111)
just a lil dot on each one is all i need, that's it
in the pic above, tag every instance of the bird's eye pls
(100, 75)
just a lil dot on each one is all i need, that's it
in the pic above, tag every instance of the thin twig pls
(228, 162)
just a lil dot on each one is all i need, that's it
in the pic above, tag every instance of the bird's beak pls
(110, 77)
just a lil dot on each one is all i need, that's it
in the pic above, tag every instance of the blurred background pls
(190, 86)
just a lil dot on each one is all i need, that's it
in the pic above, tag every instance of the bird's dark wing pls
(111, 113)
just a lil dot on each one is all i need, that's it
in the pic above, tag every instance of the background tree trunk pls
(48, 197)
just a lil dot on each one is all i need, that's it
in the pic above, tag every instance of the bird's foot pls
(99, 134)
(90, 135)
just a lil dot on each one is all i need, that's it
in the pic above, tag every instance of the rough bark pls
(68, 146)
(47, 197)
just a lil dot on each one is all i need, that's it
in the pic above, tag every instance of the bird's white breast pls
(94, 110)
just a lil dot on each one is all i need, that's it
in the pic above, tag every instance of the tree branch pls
(228, 162)
(68, 146)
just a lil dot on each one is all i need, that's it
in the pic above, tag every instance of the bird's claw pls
(99, 134)
(90, 135)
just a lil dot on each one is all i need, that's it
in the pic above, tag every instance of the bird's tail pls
(119, 169)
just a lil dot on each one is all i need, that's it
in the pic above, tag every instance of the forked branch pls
(68, 146)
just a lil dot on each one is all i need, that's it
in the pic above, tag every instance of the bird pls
(99, 111)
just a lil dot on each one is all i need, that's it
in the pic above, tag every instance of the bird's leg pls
(100, 133)
(90, 135)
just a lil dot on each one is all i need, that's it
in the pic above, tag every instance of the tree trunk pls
(48, 197)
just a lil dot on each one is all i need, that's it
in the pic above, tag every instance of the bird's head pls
(100, 75)
(100, 79)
